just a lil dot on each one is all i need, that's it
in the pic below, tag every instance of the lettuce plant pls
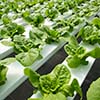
(77, 53)
(93, 92)
(56, 84)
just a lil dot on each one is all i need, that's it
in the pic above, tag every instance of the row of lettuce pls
(90, 35)
(36, 14)
(28, 49)
(58, 83)
(29, 9)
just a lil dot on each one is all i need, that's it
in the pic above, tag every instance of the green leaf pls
(51, 32)
(51, 13)
(96, 22)
(73, 61)
(4, 33)
(90, 34)
(37, 19)
(48, 83)
(7, 43)
(20, 29)
(67, 90)
(37, 36)
(73, 41)
(25, 14)
(22, 44)
(11, 29)
(62, 73)
(28, 58)
(94, 91)
(3, 72)
(58, 96)
(72, 46)
(6, 19)
(76, 87)
(33, 76)
(95, 52)
(69, 49)
(7, 61)
(76, 53)
(59, 76)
